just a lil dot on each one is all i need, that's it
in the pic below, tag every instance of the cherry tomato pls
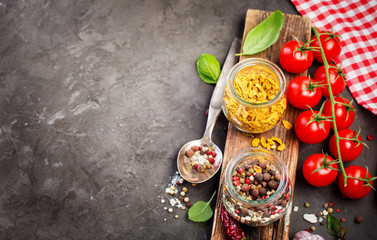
(331, 46)
(355, 188)
(349, 149)
(344, 115)
(336, 80)
(295, 62)
(301, 98)
(311, 133)
(323, 177)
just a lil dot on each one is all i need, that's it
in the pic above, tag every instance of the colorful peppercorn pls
(358, 219)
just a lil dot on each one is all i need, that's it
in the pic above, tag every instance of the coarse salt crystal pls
(310, 218)
(172, 201)
(162, 201)
(295, 208)
(175, 202)
(325, 212)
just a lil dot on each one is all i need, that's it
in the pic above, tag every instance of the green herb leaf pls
(264, 34)
(208, 68)
(334, 227)
(201, 211)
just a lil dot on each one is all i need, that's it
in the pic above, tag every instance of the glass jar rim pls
(250, 62)
(239, 157)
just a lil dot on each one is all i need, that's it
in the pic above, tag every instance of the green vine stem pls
(366, 180)
(332, 104)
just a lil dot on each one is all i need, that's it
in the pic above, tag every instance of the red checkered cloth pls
(356, 22)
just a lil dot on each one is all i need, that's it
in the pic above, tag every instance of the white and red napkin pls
(356, 22)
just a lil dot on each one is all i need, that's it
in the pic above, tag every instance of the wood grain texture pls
(236, 140)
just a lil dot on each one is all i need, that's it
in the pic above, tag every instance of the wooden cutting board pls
(236, 140)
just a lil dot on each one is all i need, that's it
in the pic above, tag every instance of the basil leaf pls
(264, 34)
(208, 68)
(201, 211)
(333, 225)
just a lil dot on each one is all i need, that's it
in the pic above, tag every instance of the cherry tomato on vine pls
(301, 94)
(349, 149)
(294, 58)
(331, 46)
(336, 80)
(314, 132)
(324, 176)
(344, 114)
(355, 188)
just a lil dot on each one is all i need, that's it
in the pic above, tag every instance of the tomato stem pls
(332, 101)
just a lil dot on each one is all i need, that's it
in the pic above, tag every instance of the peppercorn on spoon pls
(185, 166)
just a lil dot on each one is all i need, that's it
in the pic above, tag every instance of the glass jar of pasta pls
(256, 188)
(254, 99)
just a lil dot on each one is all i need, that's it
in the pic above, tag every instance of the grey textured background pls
(97, 97)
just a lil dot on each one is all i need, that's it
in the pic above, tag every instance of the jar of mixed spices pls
(254, 99)
(256, 189)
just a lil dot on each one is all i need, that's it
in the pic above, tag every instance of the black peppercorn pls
(258, 177)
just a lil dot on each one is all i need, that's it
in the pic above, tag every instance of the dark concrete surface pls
(97, 97)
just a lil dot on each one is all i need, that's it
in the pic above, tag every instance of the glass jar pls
(254, 99)
(260, 200)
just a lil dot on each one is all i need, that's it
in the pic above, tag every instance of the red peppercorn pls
(331, 204)
(200, 148)
(280, 210)
(247, 181)
(209, 153)
(196, 166)
(213, 153)
(287, 196)
(236, 183)
(211, 160)
(370, 137)
(337, 210)
(235, 178)
(237, 211)
(240, 171)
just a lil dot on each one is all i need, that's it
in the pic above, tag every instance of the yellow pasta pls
(255, 142)
(287, 125)
(255, 85)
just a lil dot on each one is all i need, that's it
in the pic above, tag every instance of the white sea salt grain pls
(295, 208)
(310, 218)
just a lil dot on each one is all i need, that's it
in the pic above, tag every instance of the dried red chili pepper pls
(232, 227)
